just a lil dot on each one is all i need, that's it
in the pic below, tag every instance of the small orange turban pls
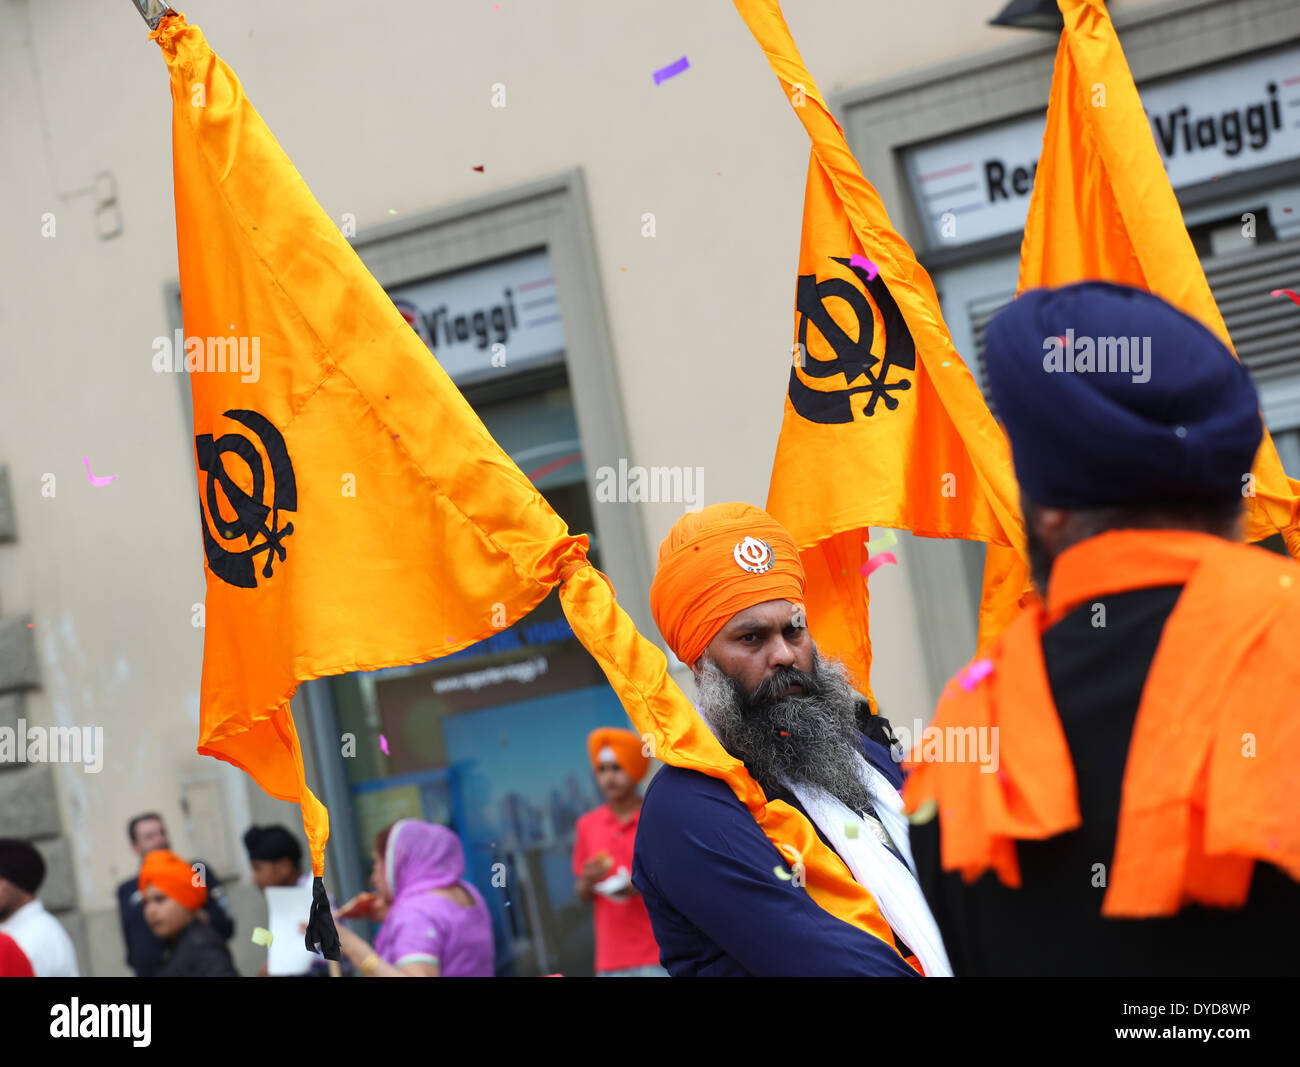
(174, 877)
(626, 746)
(715, 563)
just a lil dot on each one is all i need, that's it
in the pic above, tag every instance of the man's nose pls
(782, 654)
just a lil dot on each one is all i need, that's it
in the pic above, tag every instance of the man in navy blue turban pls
(1133, 430)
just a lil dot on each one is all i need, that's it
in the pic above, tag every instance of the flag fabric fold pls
(884, 424)
(1102, 208)
(355, 512)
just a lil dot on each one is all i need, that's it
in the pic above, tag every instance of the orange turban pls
(626, 746)
(174, 877)
(715, 563)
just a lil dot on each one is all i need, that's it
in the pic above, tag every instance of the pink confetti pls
(1285, 292)
(872, 270)
(875, 562)
(972, 675)
(383, 744)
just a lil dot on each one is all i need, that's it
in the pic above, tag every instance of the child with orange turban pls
(602, 858)
(174, 894)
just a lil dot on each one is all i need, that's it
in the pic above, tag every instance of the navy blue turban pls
(1112, 397)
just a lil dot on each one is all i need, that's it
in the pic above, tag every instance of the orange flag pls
(356, 514)
(341, 529)
(884, 424)
(1103, 208)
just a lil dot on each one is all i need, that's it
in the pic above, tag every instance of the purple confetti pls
(872, 270)
(971, 676)
(673, 69)
(383, 744)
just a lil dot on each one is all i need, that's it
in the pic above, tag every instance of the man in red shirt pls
(602, 859)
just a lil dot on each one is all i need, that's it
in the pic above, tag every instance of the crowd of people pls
(1142, 819)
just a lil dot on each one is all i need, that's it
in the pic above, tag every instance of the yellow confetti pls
(781, 873)
(924, 813)
(850, 829)
(885, 540)
(262, 936)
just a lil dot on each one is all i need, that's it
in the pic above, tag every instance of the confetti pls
(1286, 292)
(924, 813)
(383, 744)
(479, 168)
(30, 625)
(872, 270)
(876, 562)
(673, 69)
(92, 478)
(262, 936)
(850, 829)
(972, 675)
(392, 211)
(782, 873)
(885, 540)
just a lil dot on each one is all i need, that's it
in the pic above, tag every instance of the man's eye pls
(750, 637)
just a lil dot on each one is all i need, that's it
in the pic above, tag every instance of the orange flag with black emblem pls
(1102, 208)
(884, 424)
(355, 512)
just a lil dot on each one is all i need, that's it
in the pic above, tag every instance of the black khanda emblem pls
(853, 358)
(251, 512)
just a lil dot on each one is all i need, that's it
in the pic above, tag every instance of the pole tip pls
(152, 11)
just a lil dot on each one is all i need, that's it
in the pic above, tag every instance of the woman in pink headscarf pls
(434, 922)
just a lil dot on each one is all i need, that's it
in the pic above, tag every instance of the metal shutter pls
(1264, 329)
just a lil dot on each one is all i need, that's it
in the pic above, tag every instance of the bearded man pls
(728, 598)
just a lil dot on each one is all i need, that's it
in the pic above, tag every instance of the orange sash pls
(1212, 779)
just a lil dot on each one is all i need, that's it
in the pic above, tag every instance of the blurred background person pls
(434, 923)
(276, 858)
(144, 952)
(39, 934)
(602, 859)
(173, 904)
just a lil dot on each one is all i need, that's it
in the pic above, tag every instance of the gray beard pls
(821, 747)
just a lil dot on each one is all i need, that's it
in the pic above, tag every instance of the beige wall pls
(383, 108)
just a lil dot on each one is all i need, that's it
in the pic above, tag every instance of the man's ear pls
(1049, 524)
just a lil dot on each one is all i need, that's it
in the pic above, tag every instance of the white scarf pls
(875, 868)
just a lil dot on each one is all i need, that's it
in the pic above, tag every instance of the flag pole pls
(152, 11)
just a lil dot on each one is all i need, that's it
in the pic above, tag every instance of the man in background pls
(144, 951)
(602, 859)
(39, 934)
(276, 858)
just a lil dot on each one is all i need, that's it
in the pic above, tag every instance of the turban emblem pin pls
(753, 555)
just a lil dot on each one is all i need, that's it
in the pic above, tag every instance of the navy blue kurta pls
(707, 874)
